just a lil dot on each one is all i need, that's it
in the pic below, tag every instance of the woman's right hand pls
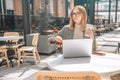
(58, 39)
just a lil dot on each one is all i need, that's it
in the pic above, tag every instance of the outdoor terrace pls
(28, 70)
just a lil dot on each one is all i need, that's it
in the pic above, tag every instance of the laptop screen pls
(77, 48)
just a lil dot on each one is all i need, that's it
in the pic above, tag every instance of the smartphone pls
(100, 53)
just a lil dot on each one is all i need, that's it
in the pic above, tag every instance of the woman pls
(77, 27)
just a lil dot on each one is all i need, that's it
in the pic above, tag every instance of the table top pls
(101, 64)
(3, 38)
(111, 39)
(111, 35)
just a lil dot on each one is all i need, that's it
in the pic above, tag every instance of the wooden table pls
(8, 44)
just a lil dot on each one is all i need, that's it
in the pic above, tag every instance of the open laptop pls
(77, 48)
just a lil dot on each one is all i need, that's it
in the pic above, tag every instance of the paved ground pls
(28, 70)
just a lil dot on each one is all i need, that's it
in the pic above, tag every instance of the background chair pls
(44, 45)
(55, 75)
(14, 42)
(29, 51)
(3, 55)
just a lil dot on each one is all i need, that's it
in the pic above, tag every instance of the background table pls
(111, 38)
(101, 64)
(116, 39)
(3, 38)
(8, 44)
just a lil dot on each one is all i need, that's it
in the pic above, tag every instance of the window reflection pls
(103, 5)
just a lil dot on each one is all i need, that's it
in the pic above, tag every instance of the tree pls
(44, 18)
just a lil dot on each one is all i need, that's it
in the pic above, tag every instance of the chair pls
(14, 42)
(3, 55)
(29, 51)
(44, 44)
(55, 75)
(115, 76)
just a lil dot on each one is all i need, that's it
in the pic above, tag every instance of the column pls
(36, 6)
(55, 8)
(26, 18)
(71, 4)
(61, 8)
(17, 6)
(92, 11)
(109, 14)
(116, 10)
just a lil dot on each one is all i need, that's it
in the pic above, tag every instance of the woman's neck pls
(77, 25)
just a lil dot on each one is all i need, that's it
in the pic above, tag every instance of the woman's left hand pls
(90, 33)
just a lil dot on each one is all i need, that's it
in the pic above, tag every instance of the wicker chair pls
(115, 76)
(55, 75)
(29, 51)
(3, 55)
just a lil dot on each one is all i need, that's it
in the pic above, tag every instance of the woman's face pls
(77, 16)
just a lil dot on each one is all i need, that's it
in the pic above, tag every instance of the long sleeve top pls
(66, 33)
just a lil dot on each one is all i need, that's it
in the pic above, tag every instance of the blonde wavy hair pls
(83, 21)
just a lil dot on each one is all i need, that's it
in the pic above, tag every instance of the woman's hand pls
(58, 39)
(90, 33)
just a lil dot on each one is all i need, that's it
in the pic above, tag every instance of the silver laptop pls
(77, 48)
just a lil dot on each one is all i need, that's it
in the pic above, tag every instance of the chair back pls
(3, 55)
(115, 76)
(35, 39)
(12, 34)
(55, 75)
(1, 52)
